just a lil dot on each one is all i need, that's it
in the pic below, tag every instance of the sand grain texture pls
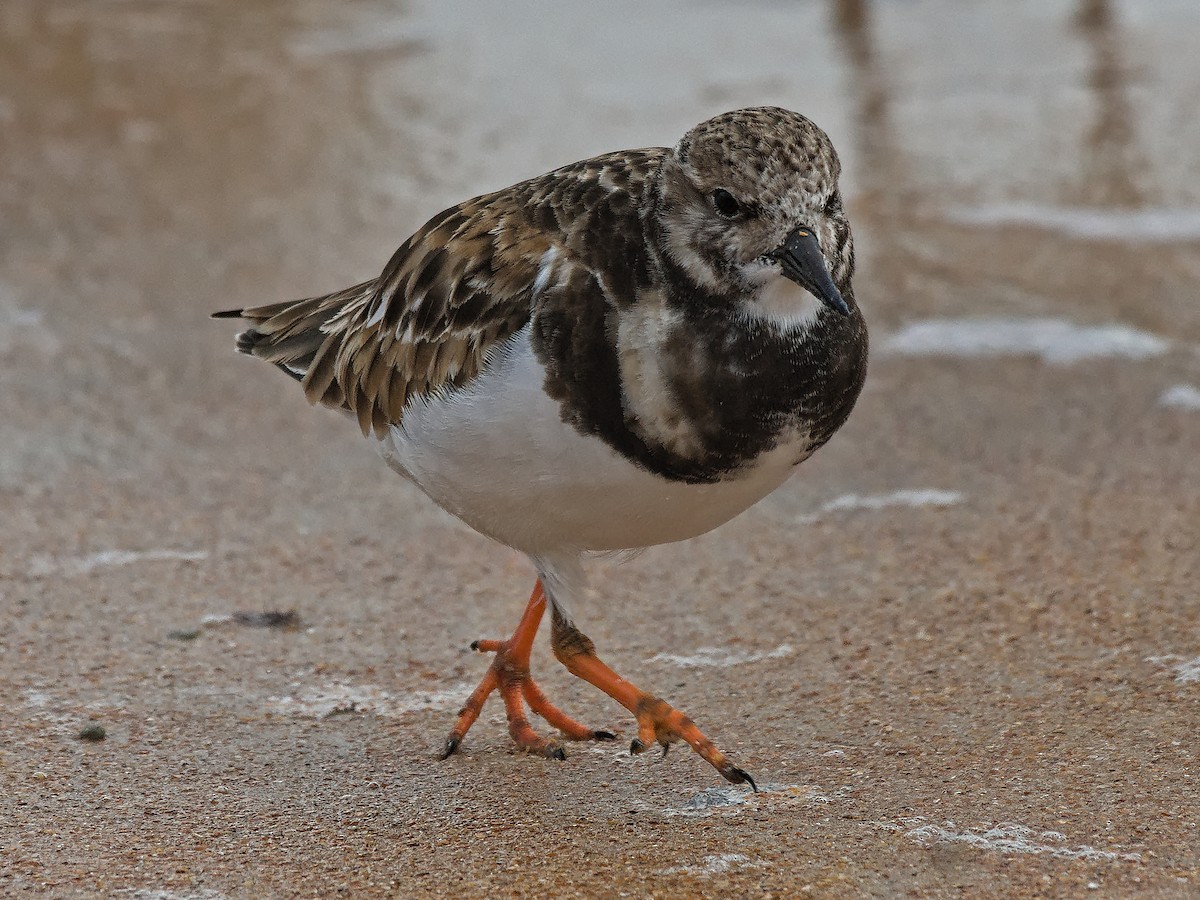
(954, 649)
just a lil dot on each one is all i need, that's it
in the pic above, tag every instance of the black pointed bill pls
(802, 261)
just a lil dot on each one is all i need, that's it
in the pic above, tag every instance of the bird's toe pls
(738, 776)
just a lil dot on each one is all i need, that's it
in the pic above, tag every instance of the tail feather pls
(293, 334)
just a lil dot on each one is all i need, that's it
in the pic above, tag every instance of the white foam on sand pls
(1146, 225)
(341, 698)
(910, 497)
(24, 327)
(715, 864)
(44, 566)
(718, 657)
(1186, 671)
(45, 707)
(166, 894)
(1012, 838)
(1181, 396)
(731, 800)
(722, 800)
(1054, 341)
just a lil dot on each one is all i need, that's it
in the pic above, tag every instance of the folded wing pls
(465, 282)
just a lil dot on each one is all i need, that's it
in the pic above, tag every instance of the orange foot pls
(509, 672)
(658, 721)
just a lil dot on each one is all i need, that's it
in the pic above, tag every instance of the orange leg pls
(657, 720)
(509, 672)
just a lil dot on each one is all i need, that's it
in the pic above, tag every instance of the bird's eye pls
(834, 204)
(725, 203)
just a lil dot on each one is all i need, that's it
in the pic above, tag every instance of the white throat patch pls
(783, 304)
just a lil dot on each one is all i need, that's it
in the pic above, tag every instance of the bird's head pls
(748, 207)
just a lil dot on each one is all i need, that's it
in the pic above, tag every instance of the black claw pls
(451, 746)
(740, 776)
(475, 646)
(603, 736)
(558, 753)
(666, 748)
(636, 746)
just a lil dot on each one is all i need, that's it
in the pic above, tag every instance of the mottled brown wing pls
(461, 284)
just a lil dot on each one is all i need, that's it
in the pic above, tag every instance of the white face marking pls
(677, 235)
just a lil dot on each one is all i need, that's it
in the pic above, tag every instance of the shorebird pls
(626, 351)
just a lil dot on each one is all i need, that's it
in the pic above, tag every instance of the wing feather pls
(466, 281)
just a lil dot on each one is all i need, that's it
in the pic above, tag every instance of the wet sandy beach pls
(959, 651)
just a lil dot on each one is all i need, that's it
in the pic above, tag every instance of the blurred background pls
(162, 159)
(1004, 536)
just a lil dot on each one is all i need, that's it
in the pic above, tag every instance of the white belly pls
(498, 456)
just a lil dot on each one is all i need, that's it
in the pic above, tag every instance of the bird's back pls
(464, 282)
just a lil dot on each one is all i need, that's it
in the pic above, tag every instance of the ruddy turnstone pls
(626, 351)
